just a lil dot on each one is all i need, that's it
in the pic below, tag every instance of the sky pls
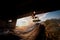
(27, 21)
(52, 15)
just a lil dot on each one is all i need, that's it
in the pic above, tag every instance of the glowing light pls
(26, 21)
(9, 20)
(34, 12)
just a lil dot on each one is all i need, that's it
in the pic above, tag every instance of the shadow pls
(41, 35)
(9, 37)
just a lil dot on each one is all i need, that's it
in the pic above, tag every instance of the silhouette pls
(41, 35)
